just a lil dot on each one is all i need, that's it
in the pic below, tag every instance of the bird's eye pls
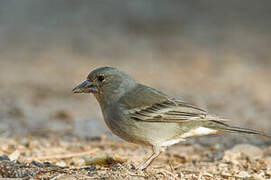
(100, 78)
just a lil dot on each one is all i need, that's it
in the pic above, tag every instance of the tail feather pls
(232, 129)
(246, 131)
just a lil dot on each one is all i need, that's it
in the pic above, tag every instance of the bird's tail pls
(231, 129)
(245, 131)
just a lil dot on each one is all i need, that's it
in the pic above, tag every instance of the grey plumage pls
(143, 115)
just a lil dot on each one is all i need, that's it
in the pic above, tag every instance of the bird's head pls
(106, 83)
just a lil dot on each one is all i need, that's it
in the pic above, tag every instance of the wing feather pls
(147, 104)
(172, 111)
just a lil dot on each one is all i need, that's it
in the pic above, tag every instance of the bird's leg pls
(156, 152)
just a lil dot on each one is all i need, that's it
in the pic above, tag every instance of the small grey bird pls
(143, 115)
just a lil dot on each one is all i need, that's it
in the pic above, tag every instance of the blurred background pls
(211, 53)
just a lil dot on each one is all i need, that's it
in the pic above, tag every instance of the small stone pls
(4, 157)
(243, 174)
(268, 161)
(233, 155)
(15, 155)
(61, 163)
(65, 177)
(38, 164)
(78, 162)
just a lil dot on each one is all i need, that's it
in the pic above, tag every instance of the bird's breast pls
(139, 132)
(123, 126)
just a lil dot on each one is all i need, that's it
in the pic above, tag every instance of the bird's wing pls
(153, 106)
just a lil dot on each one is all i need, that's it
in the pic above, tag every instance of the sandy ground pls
(45, 129)
(56, 157)
(212, 54)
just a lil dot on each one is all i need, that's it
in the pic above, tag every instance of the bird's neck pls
(107, 99)
(110, 95)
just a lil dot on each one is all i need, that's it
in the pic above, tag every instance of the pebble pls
(233, 155)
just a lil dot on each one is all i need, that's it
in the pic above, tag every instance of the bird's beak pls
(86, 87)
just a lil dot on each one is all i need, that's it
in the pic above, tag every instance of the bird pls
(143, 115)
